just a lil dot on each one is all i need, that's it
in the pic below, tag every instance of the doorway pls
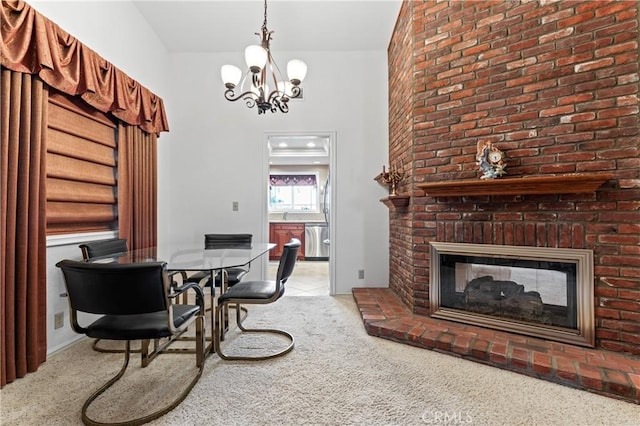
(299, 196)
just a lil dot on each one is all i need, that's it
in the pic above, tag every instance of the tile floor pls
(309, 278)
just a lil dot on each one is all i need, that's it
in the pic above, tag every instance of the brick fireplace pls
(535, 291)
(554, 85)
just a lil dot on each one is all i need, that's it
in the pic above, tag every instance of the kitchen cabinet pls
(281, 234)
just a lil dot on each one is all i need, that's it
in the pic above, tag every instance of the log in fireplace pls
(541, 292)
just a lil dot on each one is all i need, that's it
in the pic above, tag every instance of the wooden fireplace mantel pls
(564, 184)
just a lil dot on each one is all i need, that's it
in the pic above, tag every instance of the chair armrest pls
(75, 324)
(177, 291)
(182, 274)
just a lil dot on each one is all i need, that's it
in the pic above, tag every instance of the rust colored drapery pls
(33, 44)
(23, 296)
(34, 50)
(137, 187)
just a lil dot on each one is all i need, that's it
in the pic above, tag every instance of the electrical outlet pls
(58, 320)
(361, 274)
(235, 206)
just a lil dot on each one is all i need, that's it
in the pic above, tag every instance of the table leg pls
(224, 284)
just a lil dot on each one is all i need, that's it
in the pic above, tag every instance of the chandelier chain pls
(264, 24)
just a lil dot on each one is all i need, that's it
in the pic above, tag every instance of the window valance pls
(33, 44)
(298, 180)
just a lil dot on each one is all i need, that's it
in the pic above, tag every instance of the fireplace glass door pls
(534, 291)
(543, 292)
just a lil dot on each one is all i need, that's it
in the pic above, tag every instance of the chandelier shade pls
(296, 70)
(231, 75)
(262, 73)
(255, 57)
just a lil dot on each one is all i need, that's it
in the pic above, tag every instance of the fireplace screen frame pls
(583, 334)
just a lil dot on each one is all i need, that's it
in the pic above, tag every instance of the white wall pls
(118, 33)
(217, 153)
(213, 154)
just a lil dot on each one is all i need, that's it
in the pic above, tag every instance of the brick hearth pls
(604, 372)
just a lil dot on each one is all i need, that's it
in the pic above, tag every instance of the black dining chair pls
(92, 249)
(103, 248)
(257, 293)
(146, 313)
(227, 277)
(234, 275)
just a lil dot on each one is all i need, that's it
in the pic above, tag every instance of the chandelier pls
(253, 87)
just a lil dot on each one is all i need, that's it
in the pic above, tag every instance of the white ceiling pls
(298, 25)
(297, 150)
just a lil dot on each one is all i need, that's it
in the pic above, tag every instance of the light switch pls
(235, 206)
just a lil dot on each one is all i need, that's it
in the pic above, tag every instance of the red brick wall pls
(553, 84)
(401, 150)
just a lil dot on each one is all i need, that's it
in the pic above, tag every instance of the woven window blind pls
(81, 168)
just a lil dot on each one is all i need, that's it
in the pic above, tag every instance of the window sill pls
(68, 239)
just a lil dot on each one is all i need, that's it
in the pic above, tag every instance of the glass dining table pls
(189, 257)
(183, 258)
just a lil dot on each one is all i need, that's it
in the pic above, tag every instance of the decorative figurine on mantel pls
(393, 177)
(491, 160)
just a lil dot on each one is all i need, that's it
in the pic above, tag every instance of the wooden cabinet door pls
(281, 234)
(281, 237)
(299, 234)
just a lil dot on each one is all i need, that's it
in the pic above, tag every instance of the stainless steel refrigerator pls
(317, 235)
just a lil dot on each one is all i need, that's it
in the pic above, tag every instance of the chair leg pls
(200, 342)
(149, 355)
(241, 314)
(146, 357)
(85, 419)
(219, 335)
(109, 351)
(239, 311)
(223, 288)
(156, 414)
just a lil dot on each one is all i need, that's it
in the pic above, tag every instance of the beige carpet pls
(336, 375)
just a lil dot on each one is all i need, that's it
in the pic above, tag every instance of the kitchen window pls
(293, 192)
